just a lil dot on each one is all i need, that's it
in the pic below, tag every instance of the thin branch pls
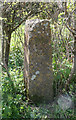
(6, 68)
(73, 32)
(20, 38)
(70, 14)
(29, 14)
(22, 21)
(70, 29)
(4, 65)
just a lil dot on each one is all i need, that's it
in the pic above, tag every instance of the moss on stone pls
(37, 99)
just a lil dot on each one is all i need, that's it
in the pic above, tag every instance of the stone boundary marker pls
(38, 60)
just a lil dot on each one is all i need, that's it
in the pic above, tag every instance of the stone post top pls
(36, 21)
(31, 23)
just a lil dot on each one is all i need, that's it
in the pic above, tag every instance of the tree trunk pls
(7, 49)
(3, 43)
(2, 49)
(6, 29)
(74, 50)
(26, 69)
(75, 39)
(72, 76)
(75, 55)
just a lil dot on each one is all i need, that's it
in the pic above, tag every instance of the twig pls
(70, 29)
(70, 14)
(5, 66)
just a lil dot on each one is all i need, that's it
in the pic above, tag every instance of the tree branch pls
(22, 21)
(6, 68)
(70, 29)
(74, 33)
(70, 14)
(29, 14)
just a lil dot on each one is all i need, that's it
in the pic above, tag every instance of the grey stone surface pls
(39, 60)
(65, 101)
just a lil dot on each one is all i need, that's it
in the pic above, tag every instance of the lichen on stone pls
(33, 77)
(37, 72)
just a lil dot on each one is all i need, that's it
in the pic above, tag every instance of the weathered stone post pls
(38, 60)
